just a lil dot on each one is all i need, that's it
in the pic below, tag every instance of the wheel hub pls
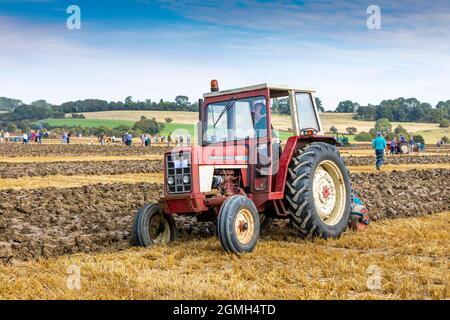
(324, 191)
(244, 226)
(159, 229)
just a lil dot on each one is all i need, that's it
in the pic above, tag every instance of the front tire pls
(238, 225)
(318, 192)
(153, 227)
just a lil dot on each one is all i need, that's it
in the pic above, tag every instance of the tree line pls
(41, 109)
(398, 110)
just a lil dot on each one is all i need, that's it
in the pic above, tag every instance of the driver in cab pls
(259, 116)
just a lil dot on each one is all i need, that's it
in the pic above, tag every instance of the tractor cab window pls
(306, 112)
(233, 120)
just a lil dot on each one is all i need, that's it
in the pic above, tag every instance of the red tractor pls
(239, 173)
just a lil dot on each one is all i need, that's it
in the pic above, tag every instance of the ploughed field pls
(94, 218)
(34, 150)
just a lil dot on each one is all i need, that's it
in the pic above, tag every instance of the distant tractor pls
(342, 140)
(239, 172)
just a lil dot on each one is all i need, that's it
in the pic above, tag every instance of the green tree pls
(319, 105)
(182, 101)
(41, 104)
(419, 139)
(150, 126)
(129, 101)
(444, 124)
(363, 137)
(400, 131)
(11, 127)
(383, 125)
(8, 104)
(347, 107)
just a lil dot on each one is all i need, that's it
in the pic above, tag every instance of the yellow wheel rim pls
(159, 229)
(244, 226)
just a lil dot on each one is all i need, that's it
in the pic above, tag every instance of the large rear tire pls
(153, 227)
(238, 225)
(318, 192)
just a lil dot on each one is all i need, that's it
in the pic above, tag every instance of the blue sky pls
(160, 48)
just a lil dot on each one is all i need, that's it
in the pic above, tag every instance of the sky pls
(153, 49)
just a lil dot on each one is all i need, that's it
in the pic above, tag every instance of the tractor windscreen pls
(235, 119)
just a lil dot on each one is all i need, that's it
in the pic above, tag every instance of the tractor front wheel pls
(318, 192)
(238, 225)
(151, 226)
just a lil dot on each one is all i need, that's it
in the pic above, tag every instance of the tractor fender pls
(288, 151)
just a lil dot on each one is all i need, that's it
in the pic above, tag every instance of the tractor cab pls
(245, 113)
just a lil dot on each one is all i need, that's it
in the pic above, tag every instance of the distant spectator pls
(68, 137)
(33, 136)
(129, 139)
(102, 139)
(188, 139)
(393, 145)
(411, 145)
(379, 144)
(6, 136)
(181, 140)
(169, 140)
(25, 138)
(64, 138)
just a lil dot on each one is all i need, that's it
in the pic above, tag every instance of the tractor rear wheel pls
(318, 192)
(238, 225)
(153, 227)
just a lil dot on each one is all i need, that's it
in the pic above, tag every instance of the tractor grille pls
(179, 166)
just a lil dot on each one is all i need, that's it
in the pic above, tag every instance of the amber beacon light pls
(214, 85)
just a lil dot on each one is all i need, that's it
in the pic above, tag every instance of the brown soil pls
(404, 159)
(98, 218)
(404, 193)
(19, 150)
(16, 170)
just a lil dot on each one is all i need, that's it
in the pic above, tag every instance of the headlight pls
(186, 179)
(170, 181)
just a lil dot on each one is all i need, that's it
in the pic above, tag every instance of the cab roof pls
(269, 86)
